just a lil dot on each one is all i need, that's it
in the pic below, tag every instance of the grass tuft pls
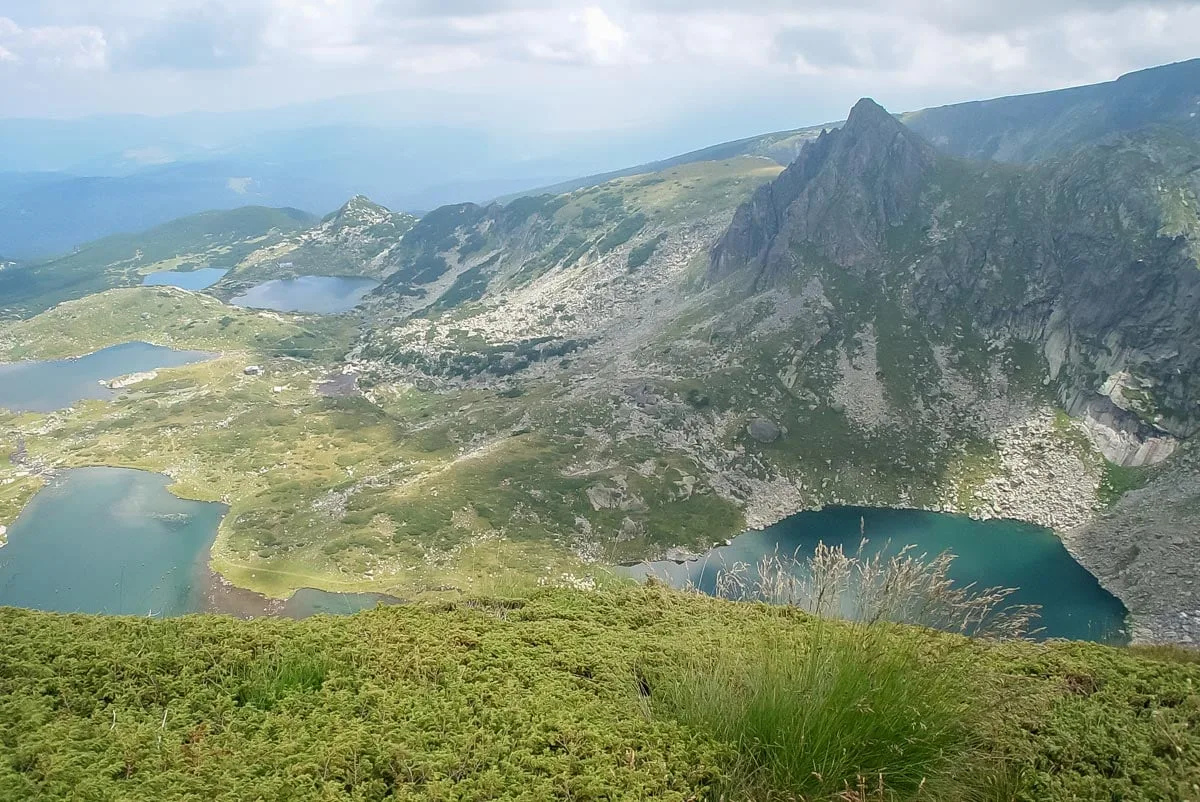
(904, 588)
(851, 712)
(861, 711)
(268, 679)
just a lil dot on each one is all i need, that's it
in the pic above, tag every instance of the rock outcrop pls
(840, 196)
(1092, 260)
(1075, 281)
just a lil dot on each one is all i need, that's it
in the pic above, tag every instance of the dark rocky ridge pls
(841, 194)
(1091, 258)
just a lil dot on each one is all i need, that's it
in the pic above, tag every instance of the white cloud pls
(76, 47)
(611, 62)
(603, 41)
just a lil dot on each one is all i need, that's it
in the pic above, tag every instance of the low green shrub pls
(533, 696)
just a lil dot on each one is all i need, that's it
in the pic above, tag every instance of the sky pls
(725, 66)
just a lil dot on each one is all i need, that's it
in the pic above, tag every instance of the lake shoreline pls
(1075, 603)
(308, 294)
(133, 509)
(52, 385)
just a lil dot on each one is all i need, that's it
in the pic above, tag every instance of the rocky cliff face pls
(1091, 259)
(841, 195)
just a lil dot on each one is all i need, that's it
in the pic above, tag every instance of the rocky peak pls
(866, 114)
(359, 210)
(840, 196)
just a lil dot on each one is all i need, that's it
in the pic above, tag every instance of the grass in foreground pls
(539, 698)
(852, 710)
(865, 708)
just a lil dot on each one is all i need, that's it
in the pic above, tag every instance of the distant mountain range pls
(717, 340)
(209, 239)
(1020, 128)
(63, 183)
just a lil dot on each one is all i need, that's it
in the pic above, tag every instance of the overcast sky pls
(753, 64)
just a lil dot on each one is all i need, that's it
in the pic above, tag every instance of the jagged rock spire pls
(839, 196)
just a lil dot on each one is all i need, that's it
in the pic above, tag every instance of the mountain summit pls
(1089, 258)
(840, 196)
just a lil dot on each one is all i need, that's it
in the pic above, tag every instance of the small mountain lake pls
(116, 541)
(989, 553)
(56, 384)
(323, 295)
(199, 279)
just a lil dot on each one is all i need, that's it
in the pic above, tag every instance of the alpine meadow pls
(855, 462)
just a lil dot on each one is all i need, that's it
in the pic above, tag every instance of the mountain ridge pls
(850, 195)
(837, 208)
(1037, 126)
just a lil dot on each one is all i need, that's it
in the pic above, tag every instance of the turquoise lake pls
(198, 279)
(116, 541)
(989, 553)
(323, 295)
(55, 384)
(107, 540)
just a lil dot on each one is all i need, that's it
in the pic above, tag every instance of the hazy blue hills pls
(212, 239)
(1026, 128)
(71, 181)
(47, 215)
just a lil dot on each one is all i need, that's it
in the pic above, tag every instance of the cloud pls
(1061, 45)
(620, 62)
(209, 36)
(77, 47)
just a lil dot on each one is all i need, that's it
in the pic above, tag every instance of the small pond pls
(116, 541)
(989, 553)
(56, 384)
(325, 295)
(198, 279)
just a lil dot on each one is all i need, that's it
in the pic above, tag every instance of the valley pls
(645, 366)
(627, 401)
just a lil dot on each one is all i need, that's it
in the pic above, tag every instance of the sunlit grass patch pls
(850, 710)
(267, 679)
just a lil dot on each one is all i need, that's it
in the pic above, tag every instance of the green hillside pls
(780, 147)
(209, 239)
(355, 240)
(571, 695)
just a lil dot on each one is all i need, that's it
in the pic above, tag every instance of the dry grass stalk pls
(903, 587)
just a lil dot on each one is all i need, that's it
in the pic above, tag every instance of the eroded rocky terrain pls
(646, 366)
(880, 324)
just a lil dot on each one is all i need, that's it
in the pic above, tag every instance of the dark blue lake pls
(325, 295)
(989, 553)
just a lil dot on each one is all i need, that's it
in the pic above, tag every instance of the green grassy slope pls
(508, 246)
(551, 697)
(780, 147)
(161, 315)
(137, 430)
(209, 239)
